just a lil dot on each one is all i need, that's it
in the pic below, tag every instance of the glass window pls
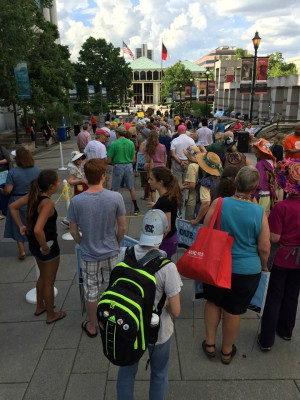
(149, 76)
(136, 76)
(143, 75)
(155, 76)
(137, 92)
(148, 93)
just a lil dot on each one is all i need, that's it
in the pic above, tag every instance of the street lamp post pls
(180, 110)
(87, 88)
(192, 81)
(256, 42)
(101, 110)
(206, 98)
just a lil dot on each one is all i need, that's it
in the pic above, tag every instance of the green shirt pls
(218, 148)
(121, 151)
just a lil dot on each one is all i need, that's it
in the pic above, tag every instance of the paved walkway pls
(59, 361)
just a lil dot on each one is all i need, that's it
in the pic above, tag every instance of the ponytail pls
(170, 182)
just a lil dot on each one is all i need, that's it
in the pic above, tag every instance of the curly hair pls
(152, 143)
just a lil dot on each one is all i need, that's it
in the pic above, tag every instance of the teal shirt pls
(121, 151)
(243, 221)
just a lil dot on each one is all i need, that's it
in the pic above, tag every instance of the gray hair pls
(86, 125)
(247, 179)
(163, 131)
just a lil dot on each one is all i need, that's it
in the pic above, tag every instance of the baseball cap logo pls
(149, 228)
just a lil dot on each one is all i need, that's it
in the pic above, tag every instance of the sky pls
(188, 28)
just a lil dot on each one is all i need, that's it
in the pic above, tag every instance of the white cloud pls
(189, 28)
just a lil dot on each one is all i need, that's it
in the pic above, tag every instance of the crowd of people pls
(185, 171)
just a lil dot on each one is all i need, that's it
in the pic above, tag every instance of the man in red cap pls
(96, 148)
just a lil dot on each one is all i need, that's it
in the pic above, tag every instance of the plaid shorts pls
(95, 276)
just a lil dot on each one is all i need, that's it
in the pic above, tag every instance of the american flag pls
(127, 50)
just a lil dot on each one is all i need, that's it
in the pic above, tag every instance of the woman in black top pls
(42, 237)
(170, 200)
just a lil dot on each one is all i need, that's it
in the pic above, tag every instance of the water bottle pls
(154, 320)
(154, 328)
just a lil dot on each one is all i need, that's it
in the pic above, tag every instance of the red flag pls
(164, 52)
(127, 50)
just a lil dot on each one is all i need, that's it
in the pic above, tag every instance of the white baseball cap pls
(155, 224)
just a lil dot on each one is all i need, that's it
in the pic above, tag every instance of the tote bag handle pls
(216, 214)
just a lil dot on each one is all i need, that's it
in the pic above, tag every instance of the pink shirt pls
(159, 156)
(284, 220)
(82, 140)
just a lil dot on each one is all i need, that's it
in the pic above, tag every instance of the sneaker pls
(287, 338)
(65, 222)
(261, 347)
(136, 212)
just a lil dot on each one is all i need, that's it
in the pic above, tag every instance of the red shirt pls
(93, 120)
(284, 220)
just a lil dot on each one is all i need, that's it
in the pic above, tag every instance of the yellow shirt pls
(176, 120)
(192, 177)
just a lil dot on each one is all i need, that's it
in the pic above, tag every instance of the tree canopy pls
(100, 61)
(278, 67)
(175, 78)
(241, 53)
(26, 36)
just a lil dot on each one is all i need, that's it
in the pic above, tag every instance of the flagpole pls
(161, 69)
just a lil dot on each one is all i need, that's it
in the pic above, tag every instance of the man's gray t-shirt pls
(96, 215)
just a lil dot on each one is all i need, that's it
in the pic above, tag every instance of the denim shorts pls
(123, 171)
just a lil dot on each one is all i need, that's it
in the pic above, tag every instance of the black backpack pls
(125, 308)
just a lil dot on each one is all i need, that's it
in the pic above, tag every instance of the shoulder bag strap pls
(217, 214)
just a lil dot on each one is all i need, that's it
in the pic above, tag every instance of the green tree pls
(100, 61)
(175, 78)
(241, 53)
(26, 36)
(278, 67)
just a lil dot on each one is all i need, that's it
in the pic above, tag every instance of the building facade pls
(282, 99)
(208, 60)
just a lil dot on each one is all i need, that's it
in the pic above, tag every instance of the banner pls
(190, 93)
(140, 161)
(247, 69)
(186, 232)
(3, 176)
(73, 94)
(262, 68)
(211, 89)
(91, 91)
(187, 92)
(230, 74)
(245, 88)
(246, 75)
(22, 79)
(104, 93)
(194, 92)
(261, 75)
(257, 302)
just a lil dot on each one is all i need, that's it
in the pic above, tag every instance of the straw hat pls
(288, 175)
(210, 162)
(190, 153)
(263, 146)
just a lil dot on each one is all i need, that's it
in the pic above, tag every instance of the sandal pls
(84, 327)
(60, 316)
(209, 354)
(227, 358)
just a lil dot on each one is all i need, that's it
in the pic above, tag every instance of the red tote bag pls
(208, 260)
